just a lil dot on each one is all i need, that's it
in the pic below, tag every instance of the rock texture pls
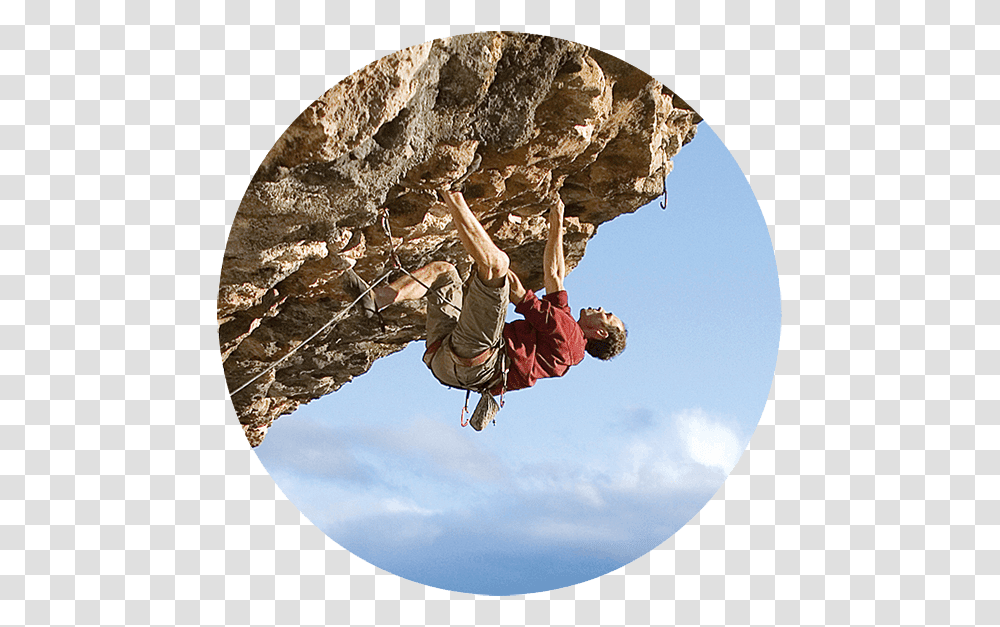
(549, 117)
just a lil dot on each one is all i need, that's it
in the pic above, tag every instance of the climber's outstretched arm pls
(554, 262)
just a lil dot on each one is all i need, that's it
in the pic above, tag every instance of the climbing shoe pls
(459, 184)
(355, 286)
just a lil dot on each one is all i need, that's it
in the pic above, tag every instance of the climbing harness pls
(487, 407)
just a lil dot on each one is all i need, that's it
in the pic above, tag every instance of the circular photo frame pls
(557, 284)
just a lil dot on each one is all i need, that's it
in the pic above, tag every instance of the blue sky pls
(584, 474)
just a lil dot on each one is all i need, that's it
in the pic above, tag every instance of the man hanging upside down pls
(465, 329)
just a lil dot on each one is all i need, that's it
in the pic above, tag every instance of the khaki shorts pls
(478, 328)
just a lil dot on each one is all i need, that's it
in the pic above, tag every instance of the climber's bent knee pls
(494, 274)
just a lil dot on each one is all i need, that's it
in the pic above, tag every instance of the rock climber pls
(468, 342)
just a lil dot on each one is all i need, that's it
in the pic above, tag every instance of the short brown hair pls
(609, 347)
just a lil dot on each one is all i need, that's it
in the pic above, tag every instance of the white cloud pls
(399, 506)
(551, 530)
(382, 517)
(689, 451)
(443, 448)
(588, 492)
(709, 442)
(425, 475)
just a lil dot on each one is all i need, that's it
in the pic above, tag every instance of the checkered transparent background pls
(868, 130)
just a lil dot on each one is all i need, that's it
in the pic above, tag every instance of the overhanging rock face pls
(549, 117)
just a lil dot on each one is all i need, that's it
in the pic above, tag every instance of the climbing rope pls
(663, 203)
(394, 259)
(333, 320)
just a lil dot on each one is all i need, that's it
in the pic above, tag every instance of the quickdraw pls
(465, 409)
(663, 203)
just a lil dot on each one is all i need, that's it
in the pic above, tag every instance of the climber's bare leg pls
(491, 262)
(408, 288)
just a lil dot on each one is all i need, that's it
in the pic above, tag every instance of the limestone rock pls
(550, 118)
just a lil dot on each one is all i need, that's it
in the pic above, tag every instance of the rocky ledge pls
(549, 117)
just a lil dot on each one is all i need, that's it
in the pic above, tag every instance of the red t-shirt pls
(546, 343)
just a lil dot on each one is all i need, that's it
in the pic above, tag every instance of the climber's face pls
(595, 323)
